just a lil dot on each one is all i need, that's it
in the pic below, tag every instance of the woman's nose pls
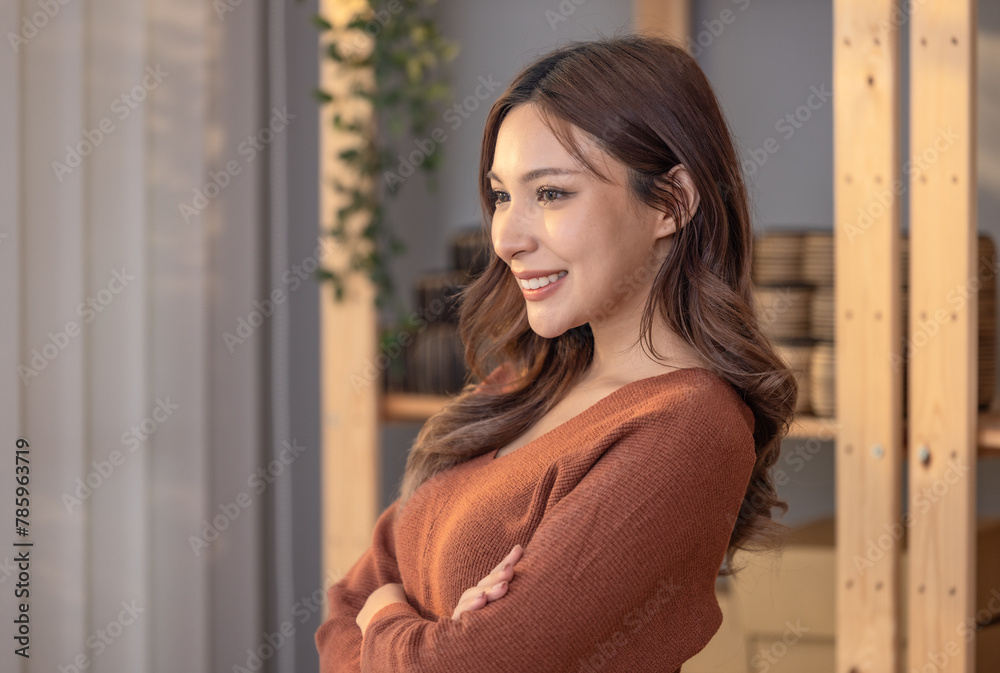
(512, 233)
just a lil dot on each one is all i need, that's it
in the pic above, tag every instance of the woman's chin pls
(547, 328)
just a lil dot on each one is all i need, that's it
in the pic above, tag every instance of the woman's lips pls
(539, 293)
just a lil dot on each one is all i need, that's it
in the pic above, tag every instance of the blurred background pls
(176, 360)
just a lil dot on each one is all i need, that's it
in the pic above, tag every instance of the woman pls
(573, 511)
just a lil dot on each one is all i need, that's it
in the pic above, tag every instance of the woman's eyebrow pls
(535, 174)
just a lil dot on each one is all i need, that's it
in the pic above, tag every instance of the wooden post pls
(671, 18)
(867, 185)
(943, 335)
(349, 459)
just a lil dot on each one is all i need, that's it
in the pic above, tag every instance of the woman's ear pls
(680, 182)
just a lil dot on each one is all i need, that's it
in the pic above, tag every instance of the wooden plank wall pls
(943, 322)
(869, 459)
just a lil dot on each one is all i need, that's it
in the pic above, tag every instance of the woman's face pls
(553, 218)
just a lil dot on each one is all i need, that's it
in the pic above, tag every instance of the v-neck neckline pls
(586, 413)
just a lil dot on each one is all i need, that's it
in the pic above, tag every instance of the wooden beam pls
(349, 430)
(868, 335)
(671, 18)
(943, 334)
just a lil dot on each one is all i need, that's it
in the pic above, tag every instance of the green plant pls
(400, 42)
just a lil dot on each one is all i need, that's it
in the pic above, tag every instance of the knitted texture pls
(624, 512)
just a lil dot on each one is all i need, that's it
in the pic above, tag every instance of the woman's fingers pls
(471, 599)
(491, 587)
(478, 596)
(503, 572)
(513, 557)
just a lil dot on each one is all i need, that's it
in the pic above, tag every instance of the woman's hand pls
(381, 597)
(491, 587)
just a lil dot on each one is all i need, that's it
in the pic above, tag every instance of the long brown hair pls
(646, 103)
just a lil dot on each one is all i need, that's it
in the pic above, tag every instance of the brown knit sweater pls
(624, 512)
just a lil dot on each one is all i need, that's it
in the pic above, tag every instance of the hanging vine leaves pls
(400, 42)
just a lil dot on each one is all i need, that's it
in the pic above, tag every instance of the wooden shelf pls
(806, 426)
(411, 406)
(408, 407)
(989, 432)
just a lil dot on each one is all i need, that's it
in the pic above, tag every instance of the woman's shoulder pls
(694, 400)
(680, 423)
(696, 383)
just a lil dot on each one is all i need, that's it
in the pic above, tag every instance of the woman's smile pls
(537, 286)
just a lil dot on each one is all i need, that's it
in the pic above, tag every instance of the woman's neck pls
(618, 359)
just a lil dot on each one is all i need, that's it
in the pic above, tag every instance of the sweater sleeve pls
(339, 638)
(620, 573)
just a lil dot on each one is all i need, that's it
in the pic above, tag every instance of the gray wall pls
(764, 60)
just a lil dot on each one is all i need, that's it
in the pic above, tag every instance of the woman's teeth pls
(541, 281)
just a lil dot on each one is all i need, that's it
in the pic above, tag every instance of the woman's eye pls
(548, 194)
(544, 194)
